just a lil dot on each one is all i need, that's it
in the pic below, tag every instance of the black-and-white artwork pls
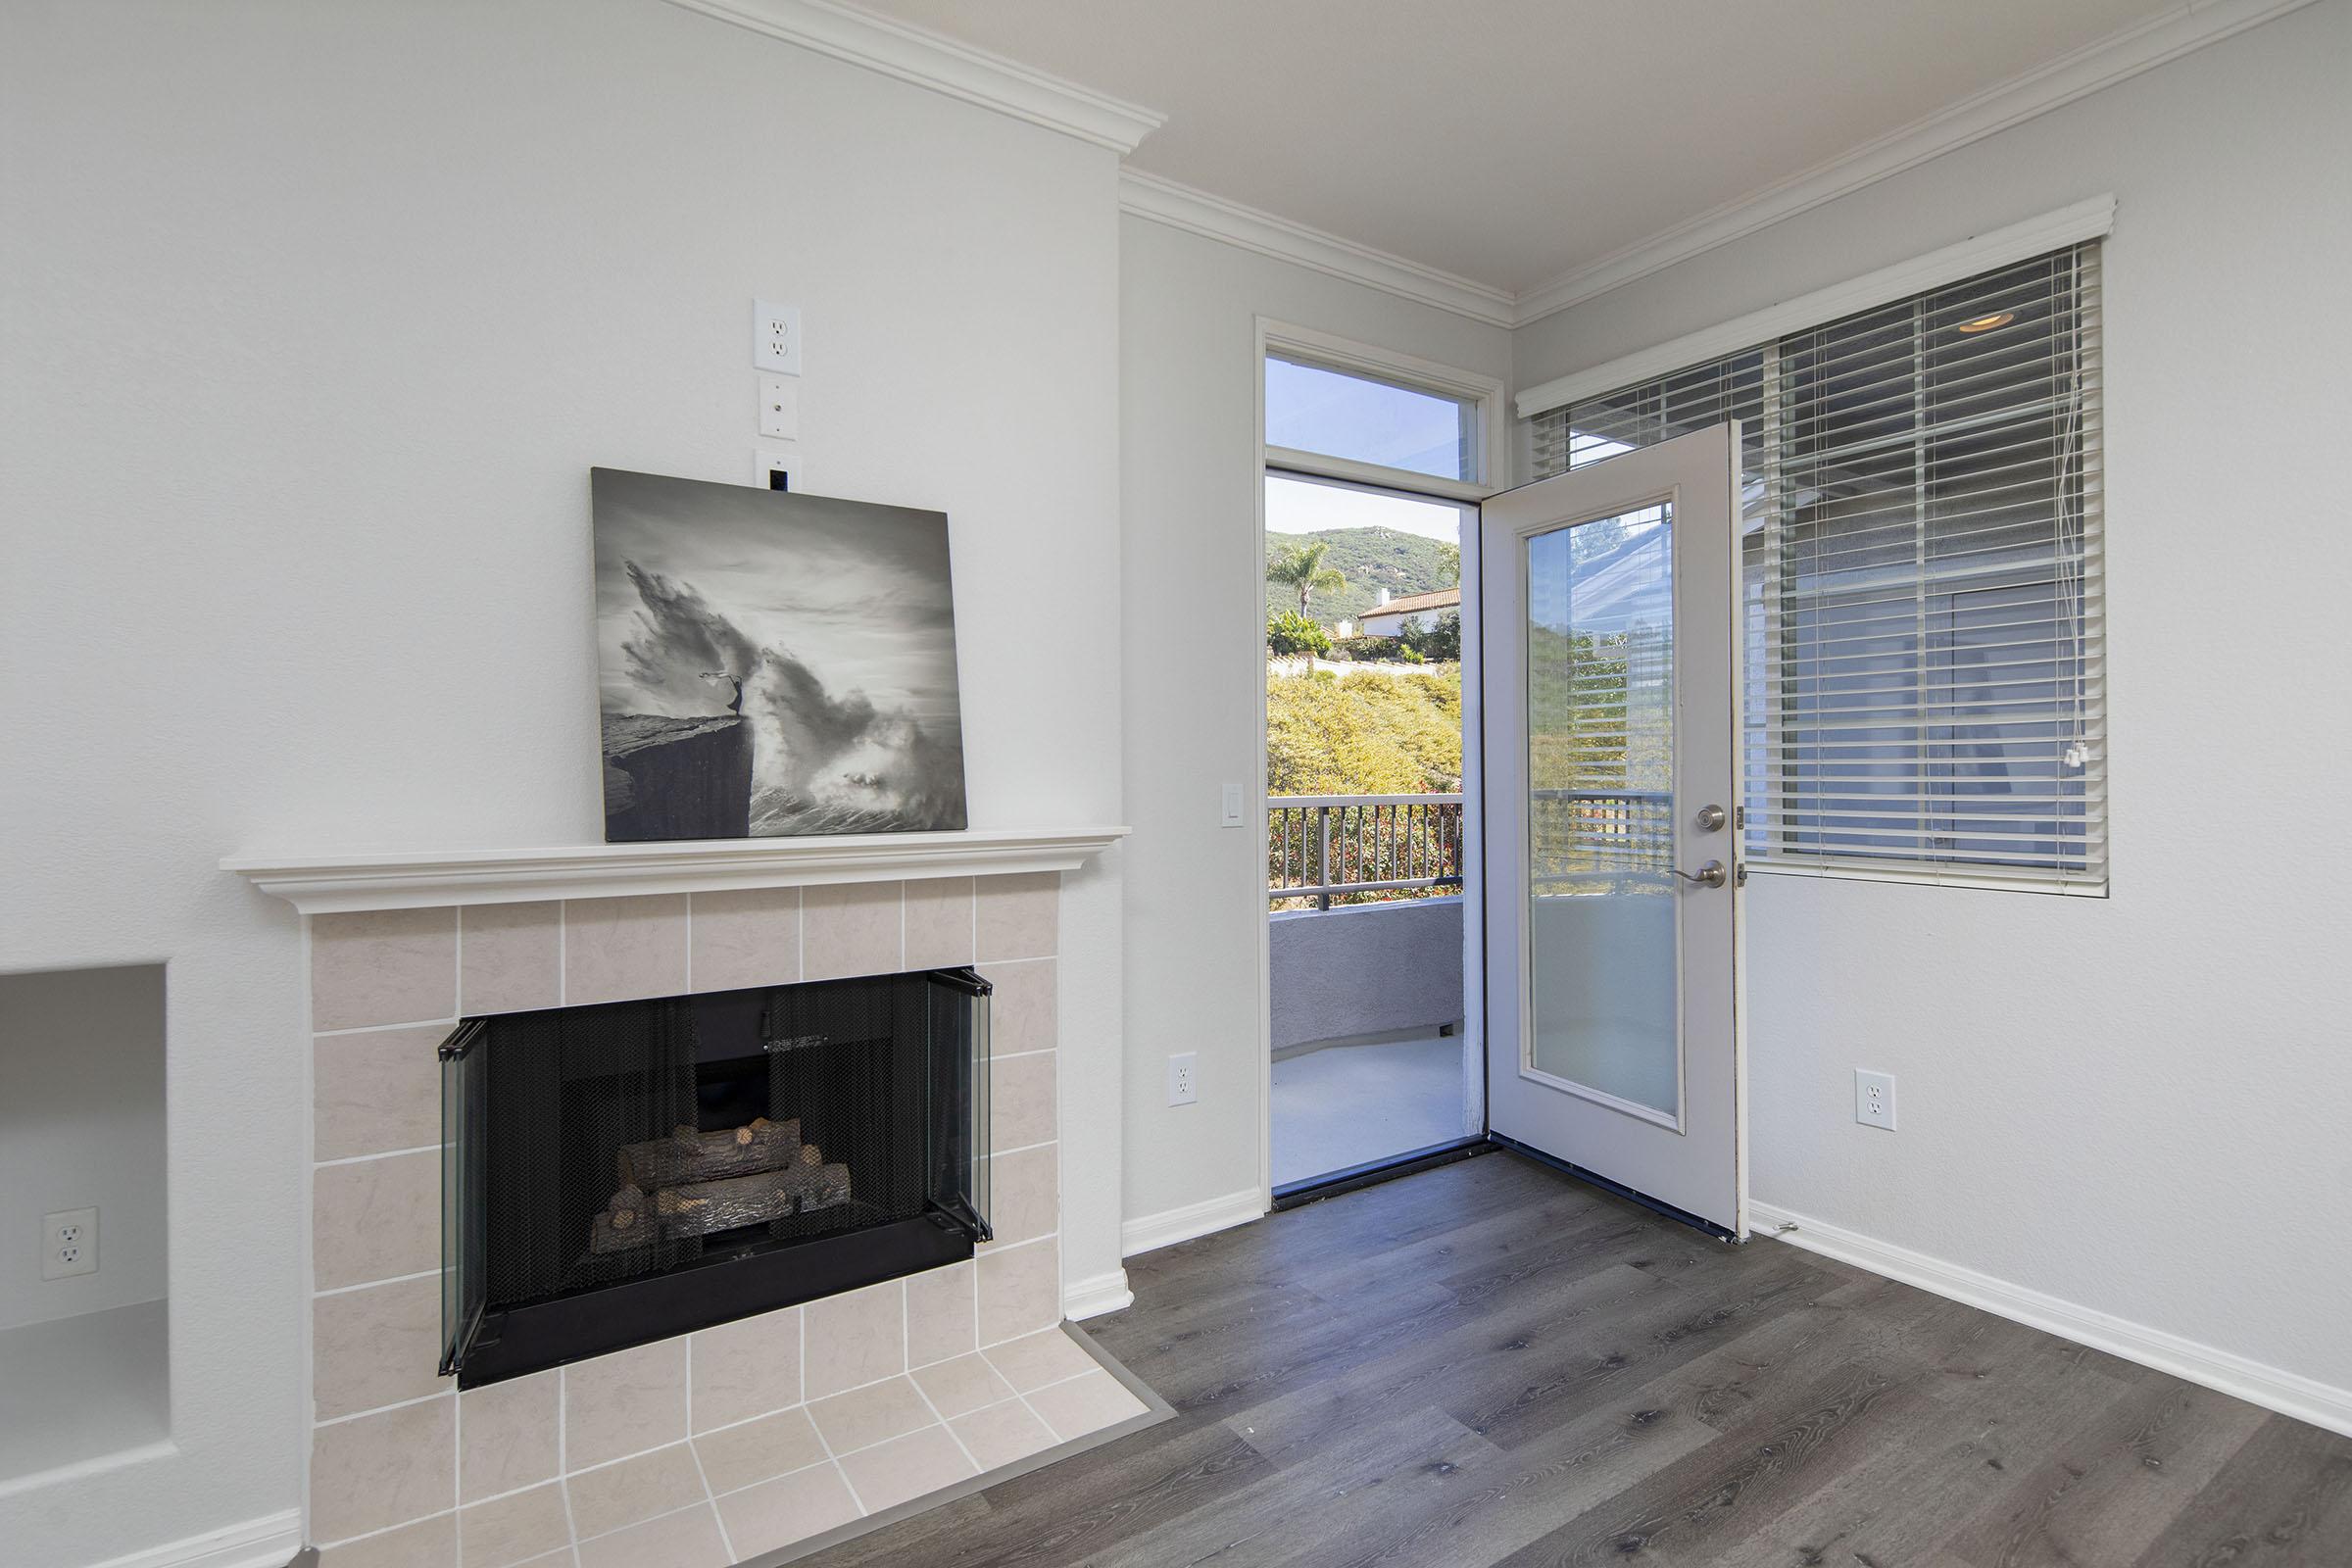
(772, 664)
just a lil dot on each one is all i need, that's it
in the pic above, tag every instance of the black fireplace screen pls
(620, 1173)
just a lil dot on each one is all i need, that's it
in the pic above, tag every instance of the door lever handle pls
(1711, 874)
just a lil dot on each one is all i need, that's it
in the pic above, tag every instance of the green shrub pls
(1365, 735)
(1289, 634)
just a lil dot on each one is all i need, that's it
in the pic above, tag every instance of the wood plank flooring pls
(1490, 1365)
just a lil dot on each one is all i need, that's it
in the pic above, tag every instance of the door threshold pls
(1332, 1183)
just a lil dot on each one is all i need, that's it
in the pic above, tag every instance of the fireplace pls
(620, 1173)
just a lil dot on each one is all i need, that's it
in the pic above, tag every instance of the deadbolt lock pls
(1711, 818)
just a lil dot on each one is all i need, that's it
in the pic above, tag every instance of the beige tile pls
(1023, 1098)
(757, 1450)
(376, 1471)
(745, 937)
(1034, 1360)
(617, 950)
(1024, 1200)
(775, 1514)
(513, 1529)
(375, 1219)
(1021, 1015)
(746, 1368)
(613, 1495)
(510, 957)
(1084, 1405)
(858, 1337)
(376, 1091)
(865, 1416)
(383, 967)
(962, 1386)
(624, 1403)
(1019, 916)
(429, 1543)
(1002, 1434)
(939, 1320)
(687, 1540)
(1020, 1290)
(375, 1347)
(853, 928)
(506, 1434)
(939, 923)
(890, 1473)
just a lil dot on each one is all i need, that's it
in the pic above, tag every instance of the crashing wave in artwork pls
(772, 664)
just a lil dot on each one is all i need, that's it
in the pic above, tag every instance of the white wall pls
(1194, 641)
(315, 318)
(82, 1126)
(2139, 1104)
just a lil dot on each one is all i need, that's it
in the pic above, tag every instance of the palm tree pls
(1300, 567)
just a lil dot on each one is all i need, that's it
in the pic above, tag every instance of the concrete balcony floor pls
(1344, 1106)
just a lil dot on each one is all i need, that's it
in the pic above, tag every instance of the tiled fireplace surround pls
(711, 1447)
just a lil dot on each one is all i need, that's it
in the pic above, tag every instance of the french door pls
(1612, 881)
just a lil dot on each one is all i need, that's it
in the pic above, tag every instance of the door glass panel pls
(1602, 952)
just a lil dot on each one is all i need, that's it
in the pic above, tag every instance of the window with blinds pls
(1922, 583)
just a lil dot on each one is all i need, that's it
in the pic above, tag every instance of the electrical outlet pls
(1181, 1089)
(1874, 1099)
(779, 408)
(69, 1242)
(1230, 812)
(776, 338)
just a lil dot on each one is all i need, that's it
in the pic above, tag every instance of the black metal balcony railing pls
(1356, 848)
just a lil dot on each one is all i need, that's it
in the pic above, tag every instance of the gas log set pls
(694, 1183)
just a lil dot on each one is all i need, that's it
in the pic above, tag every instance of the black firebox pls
(620, 1173)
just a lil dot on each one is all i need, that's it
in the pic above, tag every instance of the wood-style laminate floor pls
(1491, 1364)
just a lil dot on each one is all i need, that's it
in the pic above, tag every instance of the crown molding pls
(2190, 25)
(1164, 201)
(942, 64)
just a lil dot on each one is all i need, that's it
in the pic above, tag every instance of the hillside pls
(1371, 559)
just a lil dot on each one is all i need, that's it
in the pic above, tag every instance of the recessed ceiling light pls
(1985, 323)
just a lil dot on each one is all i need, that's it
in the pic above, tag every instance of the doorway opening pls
(1371, 475)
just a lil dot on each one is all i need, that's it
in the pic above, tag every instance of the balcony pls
(1364, 897)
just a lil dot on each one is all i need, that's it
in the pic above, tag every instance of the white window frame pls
(2083, 221)
(1489, 453)
(1488, 447)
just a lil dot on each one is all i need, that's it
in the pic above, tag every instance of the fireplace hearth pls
(616, 1174)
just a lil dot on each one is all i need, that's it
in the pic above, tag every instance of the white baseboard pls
(2287, 1393)
(269, 1541)
(1092, 1297)
(1149, 1232)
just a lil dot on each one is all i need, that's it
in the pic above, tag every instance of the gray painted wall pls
(1366, 968)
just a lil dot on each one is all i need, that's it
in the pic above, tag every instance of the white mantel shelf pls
(342, 884)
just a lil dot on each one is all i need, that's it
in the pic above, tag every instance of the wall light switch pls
(779, 408)
(1230, 810)
(776, 338)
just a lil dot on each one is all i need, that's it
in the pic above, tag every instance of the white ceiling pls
(1509, 141)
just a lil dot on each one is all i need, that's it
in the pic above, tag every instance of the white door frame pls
(1490, 453)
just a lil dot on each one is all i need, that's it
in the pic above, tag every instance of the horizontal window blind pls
(1922, 577)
